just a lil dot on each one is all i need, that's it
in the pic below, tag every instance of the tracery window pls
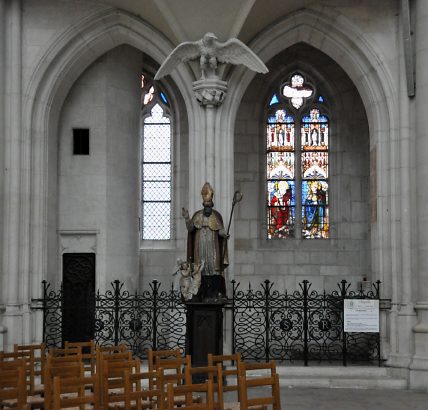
(297, 157)
(156, 175)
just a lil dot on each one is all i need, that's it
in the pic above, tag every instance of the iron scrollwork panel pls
(170, 321)
(250, 324)
(325, 326)
(286, 326)
(52, 318)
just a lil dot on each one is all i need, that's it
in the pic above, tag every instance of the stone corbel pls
(210, 91)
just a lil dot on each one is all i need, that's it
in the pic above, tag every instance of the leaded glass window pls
(156, 177)
(297, 158)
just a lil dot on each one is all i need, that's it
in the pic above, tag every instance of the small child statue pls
(190, 278)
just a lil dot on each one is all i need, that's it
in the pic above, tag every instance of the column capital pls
(210, 91)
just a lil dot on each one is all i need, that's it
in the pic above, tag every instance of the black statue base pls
(212, 290)
(204, 333)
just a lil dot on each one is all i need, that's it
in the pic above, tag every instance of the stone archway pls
(341, 41)
(366, 66)
(65, 60)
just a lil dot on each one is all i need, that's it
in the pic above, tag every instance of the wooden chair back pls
(62, 367)
(138, 396)
(161, 354)
(27, 363)
(189, 391)
(88, 353)
(230, 366)
(39, 353)
(212, 373)
(254, 378)
(173, 369)
(110, 349)
(76, 392)
(60, 352)
(13, 391)
(111, 377)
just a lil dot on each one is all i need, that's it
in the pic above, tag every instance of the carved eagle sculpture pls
(211, 52)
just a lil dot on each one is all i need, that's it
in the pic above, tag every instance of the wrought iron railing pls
(300, 326)
(266, 324)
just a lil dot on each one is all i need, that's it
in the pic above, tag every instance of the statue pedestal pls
(204, 333)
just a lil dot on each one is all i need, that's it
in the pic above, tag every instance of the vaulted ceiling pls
(189, 20)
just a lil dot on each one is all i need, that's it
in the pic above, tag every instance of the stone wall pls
(98, 193)
(323, 262)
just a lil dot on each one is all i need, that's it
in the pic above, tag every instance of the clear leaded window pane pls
(156, 176)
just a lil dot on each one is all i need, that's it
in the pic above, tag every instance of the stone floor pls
(306, 398)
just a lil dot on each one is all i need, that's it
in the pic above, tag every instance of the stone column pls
(403, 313)
(419, 366)
(12, 172)
(210, 94)
(2, 60)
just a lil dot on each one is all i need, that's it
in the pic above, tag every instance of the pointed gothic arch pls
(59, 67)
(342, 41)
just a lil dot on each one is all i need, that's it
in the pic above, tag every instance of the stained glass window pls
(156, 175)
(280, 175)
(314, 172)
(297, 160)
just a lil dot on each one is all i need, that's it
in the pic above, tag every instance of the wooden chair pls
(13, 391)
(75, 392)
(256, 369)
(110, 349)
(174, 373)
(230, 368)
(63, 367)
(136, 396)
(215, 375)
(173, 370)
(88, 354)
(25, 359)
(59, 352)
(189, 391)
(39, 354)
(111, 377)
(161, 354)
(103, 351)
(257, 377)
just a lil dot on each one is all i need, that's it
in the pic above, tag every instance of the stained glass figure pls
(280, 132)
(296, 91)
(280, 208)
(315, 209)
(314, 131)
(314, 172)
(149, 96)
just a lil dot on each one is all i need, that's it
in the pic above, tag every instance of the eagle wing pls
(236, 52)
(189, 50)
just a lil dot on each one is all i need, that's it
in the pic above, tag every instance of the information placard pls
(361, 315)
